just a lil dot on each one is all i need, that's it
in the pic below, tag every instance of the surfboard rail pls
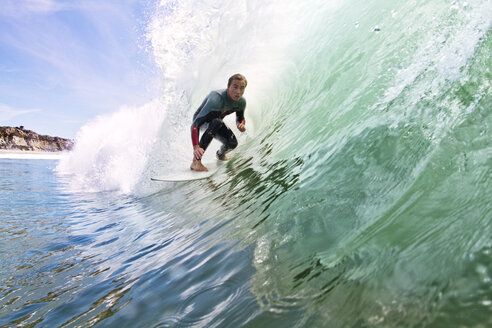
(186, 174)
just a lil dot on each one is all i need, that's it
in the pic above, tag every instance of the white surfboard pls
(186, 174)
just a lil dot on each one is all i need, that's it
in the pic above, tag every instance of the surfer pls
(209, 115)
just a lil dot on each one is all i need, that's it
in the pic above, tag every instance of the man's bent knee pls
(232, 143)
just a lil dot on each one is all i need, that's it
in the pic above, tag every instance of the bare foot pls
(197, 165)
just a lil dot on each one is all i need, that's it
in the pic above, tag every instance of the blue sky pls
(62, 63)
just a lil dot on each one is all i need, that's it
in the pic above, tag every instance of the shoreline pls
(37, 152)
(30, 154)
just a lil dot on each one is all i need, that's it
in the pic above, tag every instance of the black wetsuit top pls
(216, 105)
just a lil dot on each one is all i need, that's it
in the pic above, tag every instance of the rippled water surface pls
(80, 259)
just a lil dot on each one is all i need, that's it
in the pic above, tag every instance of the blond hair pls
(238, 77)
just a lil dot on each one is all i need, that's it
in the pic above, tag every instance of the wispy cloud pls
(20, 8)
(8, 113)
(95, 52)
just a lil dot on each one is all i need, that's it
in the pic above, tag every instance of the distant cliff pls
(20, 139)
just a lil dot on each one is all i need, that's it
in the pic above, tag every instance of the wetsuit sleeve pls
(240, 112)
(194, 135)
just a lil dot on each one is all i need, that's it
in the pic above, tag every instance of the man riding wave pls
(209, 118)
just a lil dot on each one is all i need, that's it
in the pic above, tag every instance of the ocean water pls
(358, 197)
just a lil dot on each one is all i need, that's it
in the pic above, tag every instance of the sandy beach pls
(20, 154)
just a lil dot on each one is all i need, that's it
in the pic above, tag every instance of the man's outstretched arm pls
(197, 150)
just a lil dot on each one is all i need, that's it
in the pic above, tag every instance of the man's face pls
(236, 89)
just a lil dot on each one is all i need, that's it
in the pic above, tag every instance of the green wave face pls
(366, 191)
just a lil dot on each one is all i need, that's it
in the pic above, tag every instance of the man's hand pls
(198, 152)
(241, 127)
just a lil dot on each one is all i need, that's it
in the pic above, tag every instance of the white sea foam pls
(111, 151)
